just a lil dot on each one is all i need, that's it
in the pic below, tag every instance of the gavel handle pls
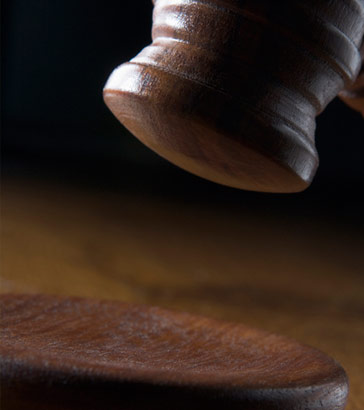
(353, 96)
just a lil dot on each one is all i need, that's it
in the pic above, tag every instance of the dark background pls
(56, 56)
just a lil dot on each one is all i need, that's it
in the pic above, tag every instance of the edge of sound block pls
(72, 353)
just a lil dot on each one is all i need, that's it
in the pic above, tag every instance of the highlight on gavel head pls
(229, 90)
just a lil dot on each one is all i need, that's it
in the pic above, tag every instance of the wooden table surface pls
(299, 277)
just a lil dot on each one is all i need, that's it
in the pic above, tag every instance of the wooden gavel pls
(230, 89)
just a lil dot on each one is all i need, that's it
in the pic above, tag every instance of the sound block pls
(71, 353)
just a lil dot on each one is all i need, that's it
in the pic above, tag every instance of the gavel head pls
(230, 89)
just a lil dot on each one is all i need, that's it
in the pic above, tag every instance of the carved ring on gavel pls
(230, 90)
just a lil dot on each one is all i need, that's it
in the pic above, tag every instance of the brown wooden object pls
(229, 89)
(72, 353)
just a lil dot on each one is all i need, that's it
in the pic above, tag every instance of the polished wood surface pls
(293, 275)
(230, 90)
(52, 345)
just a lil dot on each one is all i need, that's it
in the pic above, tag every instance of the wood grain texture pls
(230, 90)
(50, 344)
(298, 275)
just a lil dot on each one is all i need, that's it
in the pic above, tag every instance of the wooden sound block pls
(70, 353)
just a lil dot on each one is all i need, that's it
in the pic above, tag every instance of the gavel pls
(230, 89)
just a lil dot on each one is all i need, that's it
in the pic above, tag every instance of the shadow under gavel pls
(228, 90)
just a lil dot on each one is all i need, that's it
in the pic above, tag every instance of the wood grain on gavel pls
(230, 90)
(69, 353)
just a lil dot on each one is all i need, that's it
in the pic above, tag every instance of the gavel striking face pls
(229, 89)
